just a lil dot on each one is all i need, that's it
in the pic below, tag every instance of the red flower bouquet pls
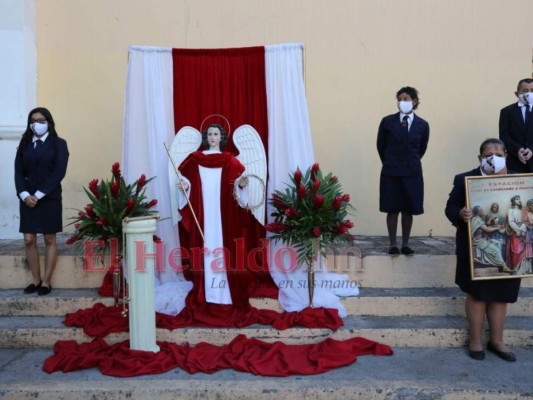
(311, 212)
(111, 201)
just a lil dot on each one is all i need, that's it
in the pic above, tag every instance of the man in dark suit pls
(516, 128)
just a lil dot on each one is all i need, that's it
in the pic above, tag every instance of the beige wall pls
(464, 56)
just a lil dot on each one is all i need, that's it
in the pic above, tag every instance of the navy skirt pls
(45, 217)
(493, 290)
(401, 194)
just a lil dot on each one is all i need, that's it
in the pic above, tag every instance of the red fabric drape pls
(99, 320)
(242, 354)
(228, 82)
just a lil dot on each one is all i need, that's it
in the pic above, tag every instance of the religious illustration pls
(501, 228)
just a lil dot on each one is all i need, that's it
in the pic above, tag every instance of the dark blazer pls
(456, 202)
(401, 154)
(515, 135)
(44, 170)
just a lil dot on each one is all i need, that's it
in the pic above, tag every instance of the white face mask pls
(39, 128)
(526, 98)
(405, 106)
(493, 164)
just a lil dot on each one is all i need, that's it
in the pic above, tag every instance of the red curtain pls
(231, 83)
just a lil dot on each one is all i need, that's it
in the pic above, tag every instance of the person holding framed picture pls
(484, 298)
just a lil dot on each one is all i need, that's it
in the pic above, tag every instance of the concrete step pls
(412, 302)
(376, 271)
(411, 373)
(444, 331)
(69, 273)
(372, 301)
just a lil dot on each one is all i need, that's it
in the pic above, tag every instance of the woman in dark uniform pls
(485, 297)
(40, 165)
(402, 141)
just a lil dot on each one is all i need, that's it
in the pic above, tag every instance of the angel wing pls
(252, 155)
(185, 142)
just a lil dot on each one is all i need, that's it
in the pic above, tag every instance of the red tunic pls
(239, 231)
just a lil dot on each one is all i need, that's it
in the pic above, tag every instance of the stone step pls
(372, 301)
(419, 271)
(411, 373)
(411, 302)
(415, 331)
(69, 273)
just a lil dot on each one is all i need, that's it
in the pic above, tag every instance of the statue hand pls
(243, 182)
(183, 185)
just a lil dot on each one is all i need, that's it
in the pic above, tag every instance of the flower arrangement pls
(111, 201)
(311, 213)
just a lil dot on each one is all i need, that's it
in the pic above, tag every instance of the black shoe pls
(406, 250)
(32, 288)
(507, 356)
(44, 290)
(394, 251)
(476, 355)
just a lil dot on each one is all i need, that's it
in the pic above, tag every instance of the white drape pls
(290, 146)
(149, 122)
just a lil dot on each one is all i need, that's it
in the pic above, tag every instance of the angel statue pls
(221, 202)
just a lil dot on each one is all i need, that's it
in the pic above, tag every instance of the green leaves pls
(110, 202)
(312, 209)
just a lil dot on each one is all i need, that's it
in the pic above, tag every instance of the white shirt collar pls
(521, 104)
(410, 116)
(42, 138)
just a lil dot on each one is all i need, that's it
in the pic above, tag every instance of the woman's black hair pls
(223, 137)
(28, 134)
(412, 93)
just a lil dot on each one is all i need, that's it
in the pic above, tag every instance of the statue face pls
(213, 138)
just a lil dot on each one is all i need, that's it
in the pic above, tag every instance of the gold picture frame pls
(501, 228)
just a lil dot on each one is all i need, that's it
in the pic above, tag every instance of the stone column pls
(141, 282)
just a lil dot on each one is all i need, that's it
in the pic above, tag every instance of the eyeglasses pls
(40, 120)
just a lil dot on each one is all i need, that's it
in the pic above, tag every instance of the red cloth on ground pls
(106, 288)
(99, 320)
(242, 354)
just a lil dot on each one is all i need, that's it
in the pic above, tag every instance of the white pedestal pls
(141, 283)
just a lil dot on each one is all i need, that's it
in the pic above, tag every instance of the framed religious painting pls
(501, 228)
